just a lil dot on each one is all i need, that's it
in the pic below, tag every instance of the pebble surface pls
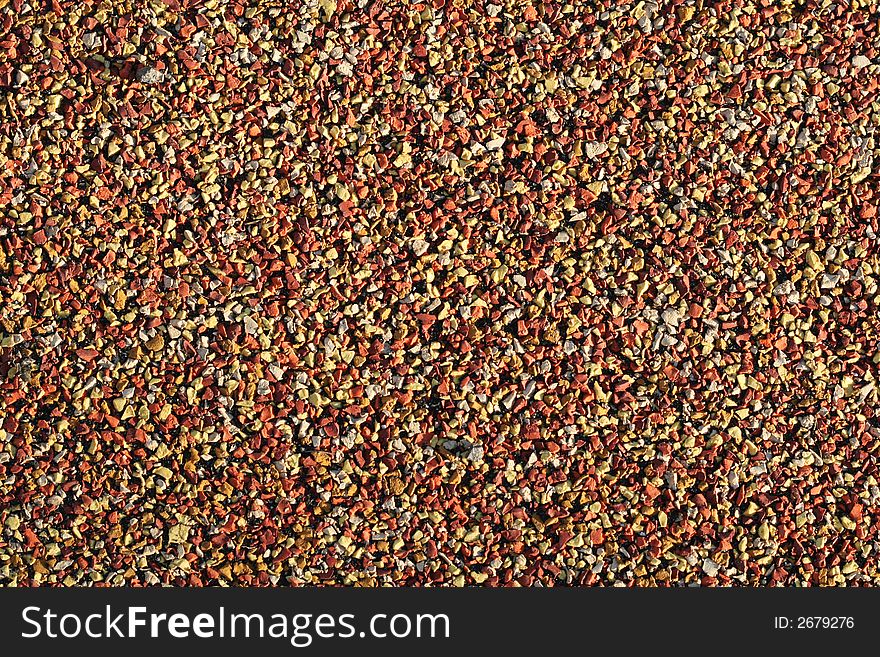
(439, 293)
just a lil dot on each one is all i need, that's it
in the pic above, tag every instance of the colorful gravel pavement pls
(443, 293)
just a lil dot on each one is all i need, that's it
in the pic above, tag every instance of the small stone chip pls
(156, 343)
(149, 75)
(163, 472)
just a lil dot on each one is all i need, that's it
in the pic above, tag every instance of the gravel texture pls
(448, 293)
